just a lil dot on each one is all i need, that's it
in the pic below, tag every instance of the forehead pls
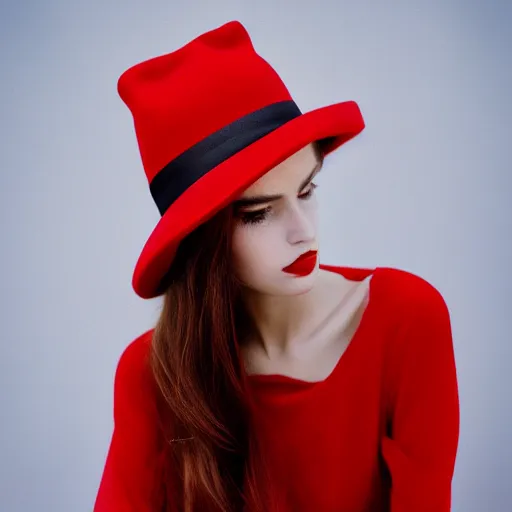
(289, 172)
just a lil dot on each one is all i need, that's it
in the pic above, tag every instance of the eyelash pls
(260, 215)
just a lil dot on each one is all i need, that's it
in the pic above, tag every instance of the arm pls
(131, 476)
(424, 408)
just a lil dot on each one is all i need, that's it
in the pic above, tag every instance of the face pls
(270, 234)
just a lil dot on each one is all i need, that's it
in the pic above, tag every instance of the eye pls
(309, 193)
(255, 216)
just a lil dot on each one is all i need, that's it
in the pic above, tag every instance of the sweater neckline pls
(286, 382)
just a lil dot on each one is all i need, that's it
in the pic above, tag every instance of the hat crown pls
(180, 98)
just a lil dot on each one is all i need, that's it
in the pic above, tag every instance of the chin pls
(300, 284)
(281, 283)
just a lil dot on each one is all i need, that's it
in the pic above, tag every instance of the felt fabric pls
(210, 119)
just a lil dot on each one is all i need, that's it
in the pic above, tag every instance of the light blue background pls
(426, 188)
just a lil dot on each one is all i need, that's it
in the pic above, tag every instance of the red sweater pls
(379, 434)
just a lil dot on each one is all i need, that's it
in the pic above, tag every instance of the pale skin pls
(303, 324)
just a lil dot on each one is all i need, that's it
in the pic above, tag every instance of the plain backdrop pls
(425, 188)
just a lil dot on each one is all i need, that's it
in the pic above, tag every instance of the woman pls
(270, 381)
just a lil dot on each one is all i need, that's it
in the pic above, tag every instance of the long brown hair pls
(198, 369)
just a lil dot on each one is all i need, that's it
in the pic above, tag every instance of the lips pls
(303, 265)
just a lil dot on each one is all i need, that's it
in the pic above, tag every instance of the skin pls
(292, 314)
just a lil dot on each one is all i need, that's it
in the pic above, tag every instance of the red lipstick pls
(303, 265)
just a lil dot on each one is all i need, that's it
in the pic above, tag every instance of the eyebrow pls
(255, 200)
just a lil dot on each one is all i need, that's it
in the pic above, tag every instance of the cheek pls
(257, 250)
(311, 210)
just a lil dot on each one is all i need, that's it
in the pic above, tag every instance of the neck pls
(284, 322)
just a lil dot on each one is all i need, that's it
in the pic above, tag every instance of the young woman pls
(271, 382)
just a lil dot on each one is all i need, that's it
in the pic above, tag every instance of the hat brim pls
(339, 122)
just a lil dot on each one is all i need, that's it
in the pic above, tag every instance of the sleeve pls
(131, 475)
(421, 448)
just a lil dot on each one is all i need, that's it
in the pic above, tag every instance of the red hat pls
(210, 119)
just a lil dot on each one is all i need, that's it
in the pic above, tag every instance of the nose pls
(301, 226)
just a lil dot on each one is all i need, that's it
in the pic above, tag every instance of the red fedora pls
(210, 119)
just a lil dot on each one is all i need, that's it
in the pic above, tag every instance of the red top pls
(380, 433)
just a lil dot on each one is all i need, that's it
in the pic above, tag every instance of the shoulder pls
(399, 294)
(418, 341)
(133, 367)
(409, 294)
(417, 320)
(396, 290)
